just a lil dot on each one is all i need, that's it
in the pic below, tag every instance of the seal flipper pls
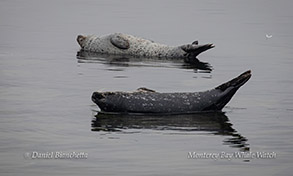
(119, 41)
(194, 49)
(236, 82)
(227, 90)
(143, 89)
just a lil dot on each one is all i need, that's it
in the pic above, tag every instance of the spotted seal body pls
(149, 101)
(124, 44)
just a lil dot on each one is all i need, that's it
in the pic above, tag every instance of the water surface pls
(45, 89)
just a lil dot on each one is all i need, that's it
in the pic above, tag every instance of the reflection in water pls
(126, 61)
(215, 123)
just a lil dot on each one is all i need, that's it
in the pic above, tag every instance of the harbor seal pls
(128, 45)
(149, 101)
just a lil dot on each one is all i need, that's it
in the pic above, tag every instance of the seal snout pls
(81, 40)
(97, 96)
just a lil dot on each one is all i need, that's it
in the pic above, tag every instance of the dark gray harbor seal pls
(128, 45)
(149, 101)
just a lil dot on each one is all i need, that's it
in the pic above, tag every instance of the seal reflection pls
(127, 61)
(214, 123)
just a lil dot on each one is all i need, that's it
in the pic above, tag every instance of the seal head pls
(81, 40)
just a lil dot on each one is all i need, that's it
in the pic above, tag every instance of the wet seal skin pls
(144, 100)
(128, 45)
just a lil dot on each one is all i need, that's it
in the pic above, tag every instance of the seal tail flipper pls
(193, 50)
(228, 89)
(237, 82)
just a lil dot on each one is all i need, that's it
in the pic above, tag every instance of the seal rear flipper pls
(236, 82)
(226, 91)
(193, 50)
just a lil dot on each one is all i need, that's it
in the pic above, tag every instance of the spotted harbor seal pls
(124, 44)
(149, 101)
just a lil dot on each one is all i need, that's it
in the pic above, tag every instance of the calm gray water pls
(45, 90)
